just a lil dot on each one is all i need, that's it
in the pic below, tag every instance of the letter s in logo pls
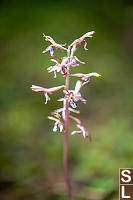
(126, 173)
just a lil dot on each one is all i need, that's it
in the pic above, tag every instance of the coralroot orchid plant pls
(62, 115)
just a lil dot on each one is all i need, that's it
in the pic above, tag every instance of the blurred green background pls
(31, 164)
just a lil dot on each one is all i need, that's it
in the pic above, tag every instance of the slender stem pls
(65, 156)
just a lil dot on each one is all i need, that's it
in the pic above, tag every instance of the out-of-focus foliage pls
(31, 154)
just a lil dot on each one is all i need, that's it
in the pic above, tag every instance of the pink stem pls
(65, 156)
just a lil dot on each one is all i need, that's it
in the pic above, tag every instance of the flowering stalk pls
(65, 155)
(62, 115)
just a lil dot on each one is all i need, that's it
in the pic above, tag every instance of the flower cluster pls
(62, 66)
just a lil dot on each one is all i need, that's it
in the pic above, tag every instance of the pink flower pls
(58, 123)
(82, 131)
(78, 60)
(50, 49)
(46, 90)
(74, 95)
(85, 77)
(62, 110)
(55, 68)
(59, 67)
(73, 59)
(58, 46)
(82, 38)
(74, 62)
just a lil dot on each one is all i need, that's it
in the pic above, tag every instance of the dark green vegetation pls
(30, 153)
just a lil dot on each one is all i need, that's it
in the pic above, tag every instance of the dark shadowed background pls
(31, 164)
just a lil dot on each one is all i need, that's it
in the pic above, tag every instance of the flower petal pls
(83, 100)
(88, 34)
(57, 111)
(77, 87)
(75, 119)
(55, 74)
(73, 104)
(49, 48)
(85, 77)
(59, 46)
(77, 75)
(64, 61)
(47, 97)
(52, 68)
(61, 127)
(86, 82)
(93, 74)
(85, 45)
(73, 110)
(79, 60)
(74, 64)
(75, 132)
(61, 99)
(73, 51)
(38, 88)
(54, 89)
(55, 126)
(53, 118)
